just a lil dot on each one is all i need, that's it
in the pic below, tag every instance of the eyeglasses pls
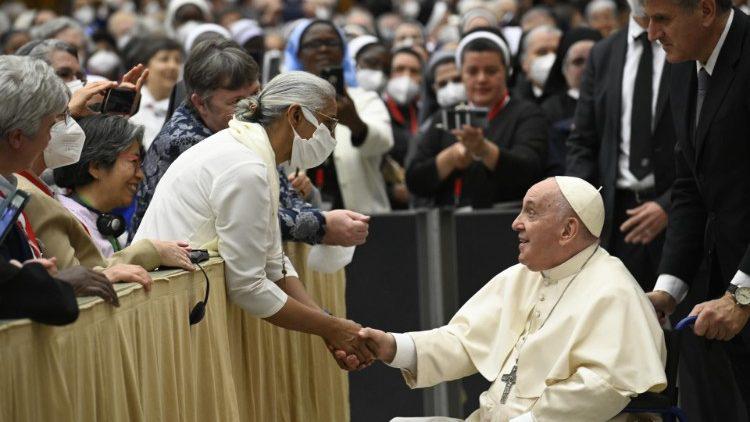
(317, 44)
(332, 121)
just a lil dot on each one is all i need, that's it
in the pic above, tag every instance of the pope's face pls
(539, 226)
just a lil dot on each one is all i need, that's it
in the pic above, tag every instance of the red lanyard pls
(398, 116)
(498, 107)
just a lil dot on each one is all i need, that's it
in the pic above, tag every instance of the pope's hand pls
(380, 343)
(720, 319)
(664, 304)
(346, 228)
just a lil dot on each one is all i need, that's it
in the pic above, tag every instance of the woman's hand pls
(174, 254)
(302, 184)
(128, 273)
(92, 93)
(343, 340)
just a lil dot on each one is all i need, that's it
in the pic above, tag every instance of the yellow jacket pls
(61, 235)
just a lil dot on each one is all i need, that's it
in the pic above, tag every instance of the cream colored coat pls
(601, 344)
(358, 168)
(61, 235)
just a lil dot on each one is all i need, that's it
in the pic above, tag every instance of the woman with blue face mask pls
(351, 177)
(223, 195)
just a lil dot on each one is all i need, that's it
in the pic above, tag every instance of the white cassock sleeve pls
(562, 401)
(241, 202)
(440, 357)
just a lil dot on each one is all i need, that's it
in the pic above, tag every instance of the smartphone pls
(119, 101)
(271, 65)
(10, 209)
(460, 115)
(334, 75)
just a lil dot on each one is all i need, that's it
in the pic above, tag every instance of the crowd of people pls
(143, 130)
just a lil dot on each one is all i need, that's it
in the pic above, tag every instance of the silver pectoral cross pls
(510, 380)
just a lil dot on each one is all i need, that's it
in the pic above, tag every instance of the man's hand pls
(472, 138)
(86, 282)
(664, 304)
(380, 343)
(460, 156)
(645, 223)
(127, 273)
(91, 93)
(301, 183)
(346, 228)
(174, 254)
(720, 319)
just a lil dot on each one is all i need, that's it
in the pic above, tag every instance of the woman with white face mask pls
(223, 194)
(402, 97)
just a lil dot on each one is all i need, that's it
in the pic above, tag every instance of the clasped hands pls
(359, 347)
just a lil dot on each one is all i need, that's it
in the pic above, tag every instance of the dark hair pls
(142, 49)
(218, 64)
(407, 50)
(106, 137)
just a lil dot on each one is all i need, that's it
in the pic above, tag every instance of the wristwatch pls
(741, 295)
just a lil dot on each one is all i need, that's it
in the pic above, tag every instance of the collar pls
(711, 63)
(397, 113)
(574, 93)
(634, 30)
(572, 265)
(36, 181)
(536, 91)
(498, 107)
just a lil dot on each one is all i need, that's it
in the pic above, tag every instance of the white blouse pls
(151, 114)
(219, 188)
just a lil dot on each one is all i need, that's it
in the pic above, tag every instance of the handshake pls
(354, 347)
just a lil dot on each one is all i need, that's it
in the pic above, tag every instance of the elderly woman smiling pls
(223, 193)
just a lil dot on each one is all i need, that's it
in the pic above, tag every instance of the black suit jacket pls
(594, 143)
(30, 292)
(711, 194)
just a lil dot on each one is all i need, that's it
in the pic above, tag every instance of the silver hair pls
(31, 90)
(599, 5)
(43, 50)
(543, 29)
(636, 8)
(53, 27)
(283, 91)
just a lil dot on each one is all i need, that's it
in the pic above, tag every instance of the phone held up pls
(120, 101)
(462, 114)
(334, 75)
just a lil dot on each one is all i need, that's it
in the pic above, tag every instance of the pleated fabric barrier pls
(144, 362)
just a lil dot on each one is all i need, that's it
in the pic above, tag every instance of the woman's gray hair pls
(43, 50)
(31, 91)
(53, 27)
(106, 137)
(286, 89)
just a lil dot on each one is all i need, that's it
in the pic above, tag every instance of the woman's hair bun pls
(248, 109)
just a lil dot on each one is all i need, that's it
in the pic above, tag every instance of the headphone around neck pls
(109, 225)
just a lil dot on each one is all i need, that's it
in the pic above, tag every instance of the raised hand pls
(346, 228)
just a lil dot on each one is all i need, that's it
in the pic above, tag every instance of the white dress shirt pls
(219, 189)
(677, 288)
(626, 179)
(151, 114)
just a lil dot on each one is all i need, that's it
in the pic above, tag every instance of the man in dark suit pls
(710, 216)
(623, 139)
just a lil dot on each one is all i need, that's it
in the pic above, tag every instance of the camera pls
(458, 116)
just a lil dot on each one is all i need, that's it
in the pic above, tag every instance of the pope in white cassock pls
(565, 335)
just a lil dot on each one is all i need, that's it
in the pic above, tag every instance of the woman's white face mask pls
(402, 89)
(371, 80)
(451, 94)
(311, 152)
(65, 144)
